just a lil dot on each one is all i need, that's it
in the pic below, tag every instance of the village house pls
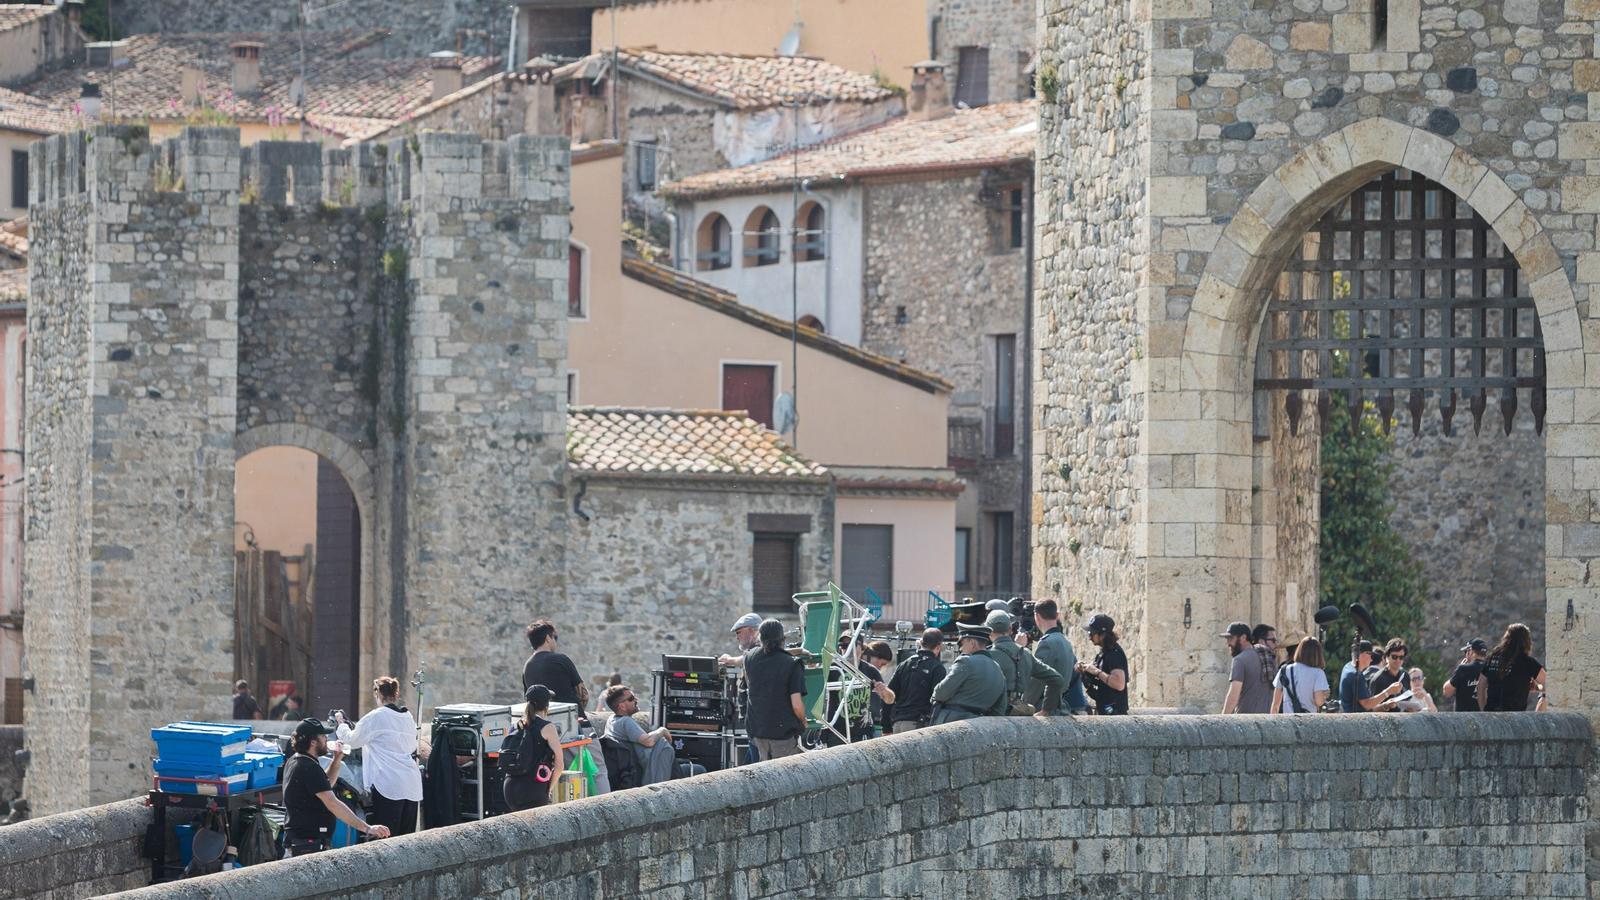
(643, 334)
(912, 240)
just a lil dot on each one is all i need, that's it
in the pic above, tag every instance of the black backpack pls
(522, 752)
(621, 769)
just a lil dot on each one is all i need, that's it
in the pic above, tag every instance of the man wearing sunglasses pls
(1394, 668)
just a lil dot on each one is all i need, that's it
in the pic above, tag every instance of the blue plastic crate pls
(181, 778)
(264, 771)
(200, 743)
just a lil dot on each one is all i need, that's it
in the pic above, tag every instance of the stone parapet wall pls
(1317, 806)
(86, 853)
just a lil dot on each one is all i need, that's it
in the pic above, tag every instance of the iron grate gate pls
(1402, 290)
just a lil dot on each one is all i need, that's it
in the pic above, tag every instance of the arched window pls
(811, 243)
(813, 323)
(761, 236)
(713, 244)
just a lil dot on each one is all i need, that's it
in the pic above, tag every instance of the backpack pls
(522, 752)
(621, 769)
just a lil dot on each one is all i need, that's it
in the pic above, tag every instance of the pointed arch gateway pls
(1205, 537)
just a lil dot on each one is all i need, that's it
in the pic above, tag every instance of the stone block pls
(1579, 140)
(1351, 33)
(1405, 26)
(1314, 36)
(1180, 9)
(1586, 74)
(1178, 195)
(1378, 62)
(1580, 194)
(1245, 52)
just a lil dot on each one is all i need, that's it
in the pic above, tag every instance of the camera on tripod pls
(1022, 611)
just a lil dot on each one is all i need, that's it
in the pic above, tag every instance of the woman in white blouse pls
(387, 737)
(1301, 686)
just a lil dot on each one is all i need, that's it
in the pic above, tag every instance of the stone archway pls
(1206, 413)
(374, 640)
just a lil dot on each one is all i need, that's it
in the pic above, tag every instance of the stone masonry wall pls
(1091, 308)
(85, 853)
(665, 566)
(1183, 807)
(1471, 508)
(481, 434)
(417, 27)
(56, 527)
(926, 241)
(1008, 28)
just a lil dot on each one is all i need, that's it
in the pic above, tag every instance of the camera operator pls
(1054, 650)
(308, 794)
(913, 684)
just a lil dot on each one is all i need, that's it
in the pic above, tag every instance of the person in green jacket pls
(1026, 675)
(975, 686)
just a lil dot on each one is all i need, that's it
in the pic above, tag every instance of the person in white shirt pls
(387, 737)
(1301, 686)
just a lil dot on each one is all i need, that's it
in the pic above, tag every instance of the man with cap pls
(308, 793)
(913, 684)
(975, 686)
(1355, 692)
(1463, 683)
(1251, 673)
(744, 631)
(1020, 668)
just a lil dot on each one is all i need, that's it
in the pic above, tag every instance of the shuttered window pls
(972, 76)
(868, 560)
(749, 388)
(575, 308)
(19, 179)
(772, 570)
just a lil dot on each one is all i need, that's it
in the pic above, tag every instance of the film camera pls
(1022, 611)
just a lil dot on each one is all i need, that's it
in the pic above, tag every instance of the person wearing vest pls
(975, 685)
(308, 794)
(913, 684)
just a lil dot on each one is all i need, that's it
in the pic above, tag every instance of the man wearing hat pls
(745, 631)
(1106, 679)
(1250, 675)
(975, 686)
(1355, 692)
(1463, 683)
(1020, 668)
(308, 793)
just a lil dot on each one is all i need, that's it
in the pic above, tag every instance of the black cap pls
(1364, 647)
(1237, 629)
(1477, 645)
(312, 728)
(1100, 623)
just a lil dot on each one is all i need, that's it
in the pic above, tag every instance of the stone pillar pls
(131, 399)
(483, 452)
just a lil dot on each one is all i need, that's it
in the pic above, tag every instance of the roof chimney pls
(246, 67)
(107, 54)
(193, 78)
(89, 101)
(543, 117)
(930, 94)
(446, 67)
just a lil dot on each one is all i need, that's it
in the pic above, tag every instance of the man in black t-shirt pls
(913, 684)
(244, 705)
(551, 668)
(1392, 669)
(308, 793)
(777, 694)
(1463, 683)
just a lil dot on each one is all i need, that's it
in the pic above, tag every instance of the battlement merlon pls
(109, 162)
(441, 171)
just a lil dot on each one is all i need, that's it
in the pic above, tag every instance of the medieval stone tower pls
(395, 309)
(1237, 200)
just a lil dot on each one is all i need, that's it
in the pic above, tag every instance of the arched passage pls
(1200, 409)
(344, 483)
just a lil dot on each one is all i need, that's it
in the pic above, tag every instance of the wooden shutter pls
(575, 282)
(19, 179)
(868, 560)
(749, 388)
(772, 570)
(972, 76)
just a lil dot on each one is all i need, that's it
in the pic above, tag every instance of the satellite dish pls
(783, 413)
(790, 45)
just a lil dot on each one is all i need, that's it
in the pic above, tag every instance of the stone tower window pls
(713, 244)
(762, 235)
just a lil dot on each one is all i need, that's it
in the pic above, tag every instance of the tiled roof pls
(352, 128)
(18, 15)
(13, 285)
(341, 79)
(967, 138)
(14, 237)
(680, 443)
(20, 112)
(681, 285)
(739, 81)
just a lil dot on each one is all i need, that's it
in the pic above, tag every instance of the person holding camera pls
(308, 794)
(913, 685)
(389, 770)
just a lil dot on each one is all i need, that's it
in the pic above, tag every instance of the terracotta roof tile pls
(14, 237)
(680, 443)
(20, 14)
(13, 285)
(351, 128)
(341, 79)
(20, 112)
(967, 138)
(744, 82)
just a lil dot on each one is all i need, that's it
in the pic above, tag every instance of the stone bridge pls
(1489, 805)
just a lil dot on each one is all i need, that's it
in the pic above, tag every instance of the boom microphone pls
(1363, 619)
(1326, 614)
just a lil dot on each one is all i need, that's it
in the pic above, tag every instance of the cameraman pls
(913, 684)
